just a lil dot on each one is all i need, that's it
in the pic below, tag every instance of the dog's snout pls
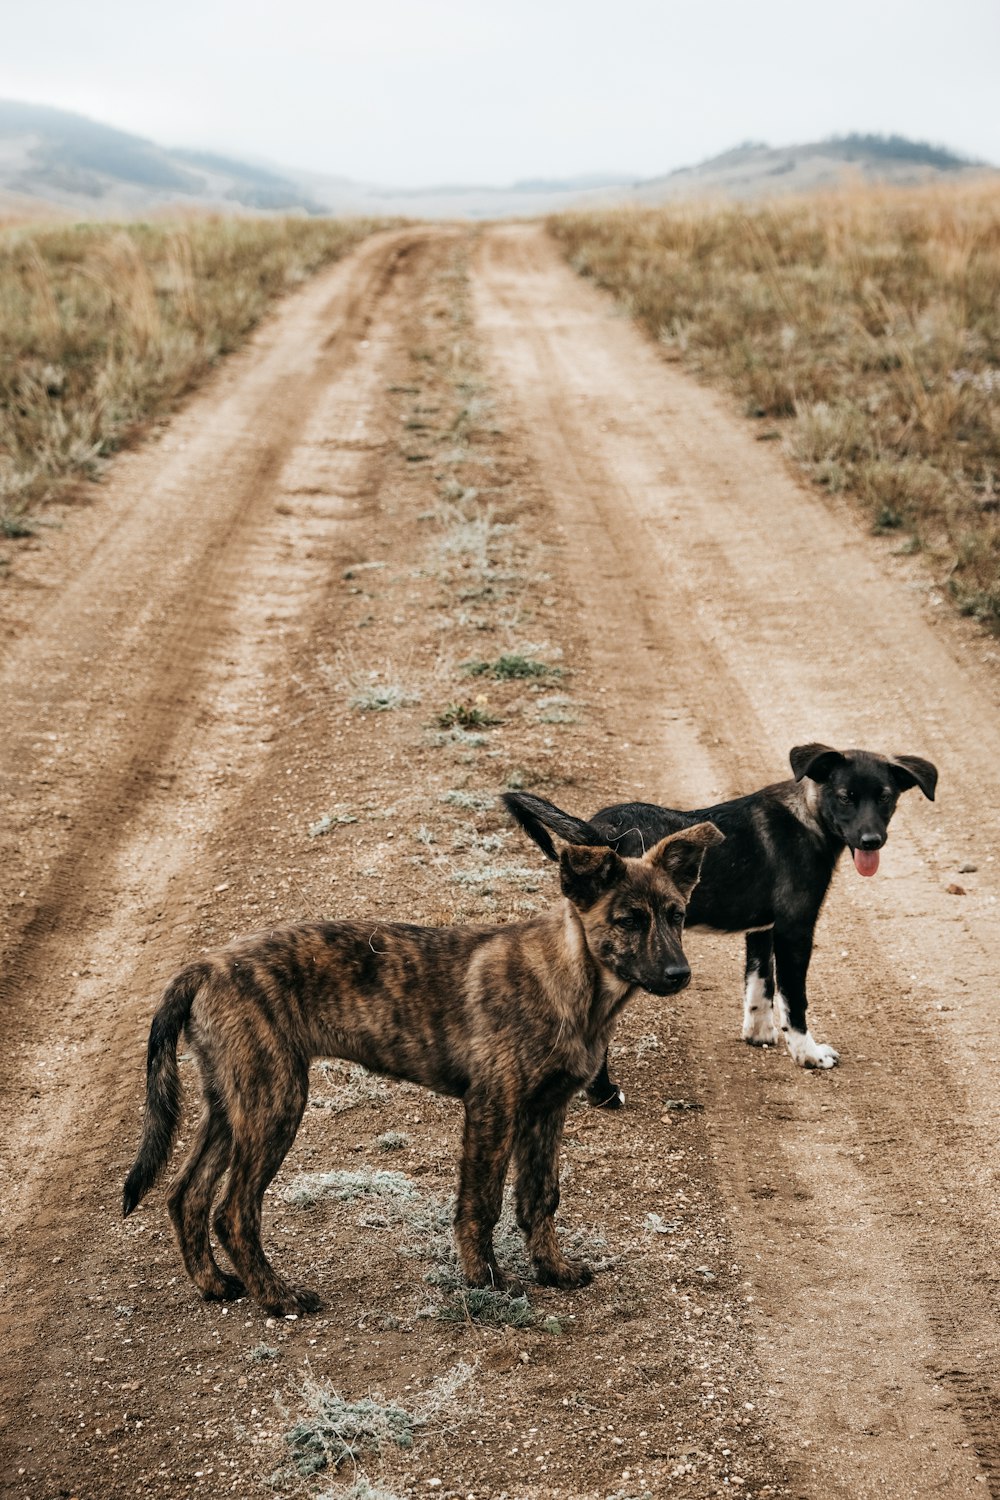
(871, 841)
(677, 975)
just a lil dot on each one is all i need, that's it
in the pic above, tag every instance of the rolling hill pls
(52, 159)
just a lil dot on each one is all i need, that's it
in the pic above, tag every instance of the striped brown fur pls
(512, 1020)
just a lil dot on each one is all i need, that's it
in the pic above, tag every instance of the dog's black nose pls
(870, 841)
(677, 974)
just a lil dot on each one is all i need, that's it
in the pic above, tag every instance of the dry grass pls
(105, 327)
(863, 327)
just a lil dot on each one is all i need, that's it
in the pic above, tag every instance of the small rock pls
(956, 890)
(967, 868)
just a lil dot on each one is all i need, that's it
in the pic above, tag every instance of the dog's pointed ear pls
(680, 854)
(540, 819)
(586, 871)
(815, 761)
(909, 770)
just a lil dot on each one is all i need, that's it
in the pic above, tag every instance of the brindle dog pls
(512, 1020)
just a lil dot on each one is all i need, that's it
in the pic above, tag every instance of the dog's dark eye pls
(634, 920)
(886, 794)
(843, 795)
(675, 916)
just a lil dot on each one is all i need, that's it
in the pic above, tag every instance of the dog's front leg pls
(537, 1197)
(758, 996)
(792, 951)
(486, 1149)
(602, 1091)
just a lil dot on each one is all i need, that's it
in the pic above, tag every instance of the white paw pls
(809, 1053)
(759, 1028)
(758, 1015)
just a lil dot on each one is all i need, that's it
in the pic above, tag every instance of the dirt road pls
(449, 448)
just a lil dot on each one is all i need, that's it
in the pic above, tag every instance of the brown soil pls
(447, 449)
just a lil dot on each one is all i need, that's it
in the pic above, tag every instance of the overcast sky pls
(457, 91)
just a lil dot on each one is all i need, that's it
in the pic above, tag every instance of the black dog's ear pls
(680, 854)
(538, 818)
(815, 761)
(910, 770)
(586, 871)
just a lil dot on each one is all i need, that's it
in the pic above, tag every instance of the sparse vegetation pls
(510, 668)
(865, 323)
(334, 1431)
(466, 716)
(104, 327)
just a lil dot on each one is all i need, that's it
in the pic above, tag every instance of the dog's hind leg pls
(537, 1197)
(261, 1140)
(792, 951)
(190, 1204)
(486, 1149)
(758, 996)
(602, 1091)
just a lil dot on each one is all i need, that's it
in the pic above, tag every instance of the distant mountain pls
(53, 158)
(72, 162)
(756, 170)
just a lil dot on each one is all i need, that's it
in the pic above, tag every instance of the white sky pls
(458, 91)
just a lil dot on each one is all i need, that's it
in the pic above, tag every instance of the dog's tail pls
(537, 817)
(163, 1094)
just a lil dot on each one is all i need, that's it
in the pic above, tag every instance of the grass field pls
(104, 327)
(861, 328)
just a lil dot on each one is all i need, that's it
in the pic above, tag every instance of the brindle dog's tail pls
(163, 1094)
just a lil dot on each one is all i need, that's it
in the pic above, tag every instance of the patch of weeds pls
(510, 668)
(334, 1431)
(309, 1187)
(483, 1305)
(361, 1489)
(555, 708)
(515, 781)
(261, 1353)
(653, 1224)
(466, 716)
(469, 801)
(351, 1085)
(887, 519)
(124, 1310)
(682, 1104)
(426, 835)
(456, 735)
(380, 697)
(328, 820)
(648, 1043)
(15, 527)
(487, 877)
(391, 1140)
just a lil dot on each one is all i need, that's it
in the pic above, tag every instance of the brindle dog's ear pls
(815, 761)
(586, 871)
(910, 770)
(680, 854)
(538, 817)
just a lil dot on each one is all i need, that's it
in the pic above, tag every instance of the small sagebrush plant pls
(511, 668)
(334, 1430)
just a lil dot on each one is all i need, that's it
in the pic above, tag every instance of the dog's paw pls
(225, 1289)
(758, 1033)
(809, 1053)
(566, 1274)
(288, 1300)
(614, 1100)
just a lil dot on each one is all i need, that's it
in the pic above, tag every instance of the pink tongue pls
(866, 861)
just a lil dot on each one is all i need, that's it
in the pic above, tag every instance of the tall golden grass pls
(862, 326)
(104, 327)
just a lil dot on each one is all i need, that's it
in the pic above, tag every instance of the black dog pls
(770, 876)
